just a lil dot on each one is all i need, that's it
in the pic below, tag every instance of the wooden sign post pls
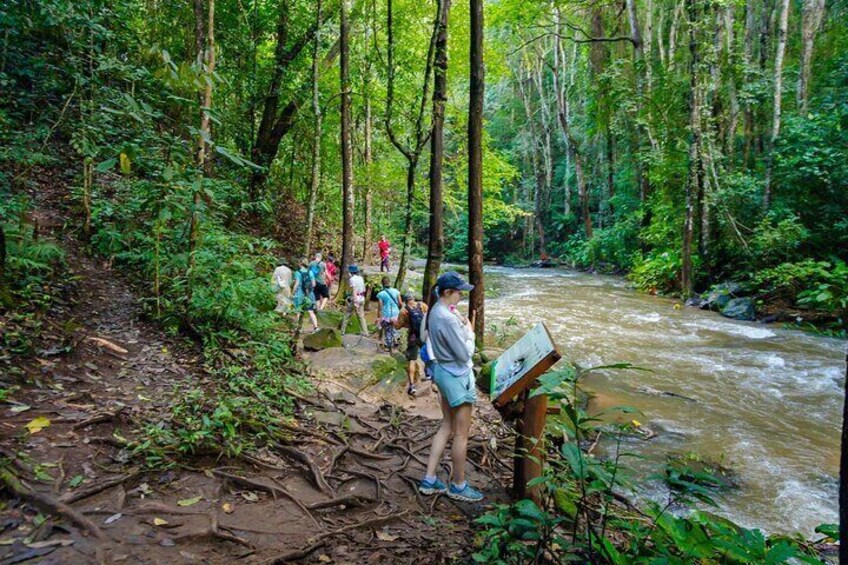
(513, 374)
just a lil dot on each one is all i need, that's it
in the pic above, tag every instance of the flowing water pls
(765, 401)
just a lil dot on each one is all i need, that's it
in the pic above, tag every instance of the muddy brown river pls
(765, 401)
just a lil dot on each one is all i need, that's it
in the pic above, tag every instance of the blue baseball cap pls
(451, 279)
(353, 269)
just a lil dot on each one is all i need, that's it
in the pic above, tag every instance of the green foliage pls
(831, 293)
(582, 519)
(774, 242)
(656, 273)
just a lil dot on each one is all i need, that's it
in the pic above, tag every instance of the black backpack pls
(416, 316)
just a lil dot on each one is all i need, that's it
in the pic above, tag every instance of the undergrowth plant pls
(585, 516)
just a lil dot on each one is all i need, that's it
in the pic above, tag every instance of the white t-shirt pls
(282, 278)
(357, 286)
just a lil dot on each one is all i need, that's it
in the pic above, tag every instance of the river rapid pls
(765, 401)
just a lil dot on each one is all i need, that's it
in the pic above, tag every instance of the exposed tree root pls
(273, 489)
(297, 554)
(159, 508)
(50, 505)
(301, 553)
(98, 419)
(369, 455)
(350, 500)
(214, 532)
(76, 496)
(317, 476)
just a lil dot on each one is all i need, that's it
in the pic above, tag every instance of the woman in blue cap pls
(450, 345)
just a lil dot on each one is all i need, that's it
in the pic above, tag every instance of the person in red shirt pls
(332, 270)
(385, 252)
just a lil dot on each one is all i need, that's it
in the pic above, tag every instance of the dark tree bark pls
(315, 181)
(693, 183)
(475, 170)
(436, 241)
(417, 141)
(843, 477)
(347, 150)
(276, 122)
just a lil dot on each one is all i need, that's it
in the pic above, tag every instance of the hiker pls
(356, 301)
(390, 304)
(449, 336)
(318, 269)
(303, 290)
(332, 270)
(385, 252)
(411, 316)
(281, 282)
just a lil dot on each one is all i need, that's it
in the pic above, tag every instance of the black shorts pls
(321, 291)
(412, 350)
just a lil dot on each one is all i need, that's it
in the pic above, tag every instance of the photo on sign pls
(521, 358)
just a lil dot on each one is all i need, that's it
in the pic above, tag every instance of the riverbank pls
(748, 303)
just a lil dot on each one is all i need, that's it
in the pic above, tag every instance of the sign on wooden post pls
(516, 369)
(513, 374)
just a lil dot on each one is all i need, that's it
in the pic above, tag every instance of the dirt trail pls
(341, 490)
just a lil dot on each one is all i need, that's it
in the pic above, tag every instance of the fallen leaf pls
(385, 536)
(189, 501)
(38, 424)
(76, 481)
(144, 398)
(250, 496)
(227, 508)
(145, 488)
(325, 558)
(167, 542)
(20, 408)
(113, 518)
(159, 522)
(50, 543)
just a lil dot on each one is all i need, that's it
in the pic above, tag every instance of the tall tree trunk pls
(748, 59)
(693, 184)
(574, 153)
(369, 163)
(275, 122)
(315, 181)
(436, 241)
(475, 170)
(778, 98)
(843, 476)
(418, 140)
(348, 204)
(672, 34)
(811, 20)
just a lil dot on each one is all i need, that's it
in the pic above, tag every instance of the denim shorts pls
(457, 390)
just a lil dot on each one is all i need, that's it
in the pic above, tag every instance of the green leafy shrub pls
(788, 280)
(657, 272)
(776, 241)
(831, 292)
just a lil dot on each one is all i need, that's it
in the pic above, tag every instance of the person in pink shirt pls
(385, 252)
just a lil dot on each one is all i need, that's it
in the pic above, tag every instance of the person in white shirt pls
(281, 281)
(356, 301)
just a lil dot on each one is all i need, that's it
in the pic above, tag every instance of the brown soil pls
(354, 457)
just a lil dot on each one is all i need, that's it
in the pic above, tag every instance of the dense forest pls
(684, 144)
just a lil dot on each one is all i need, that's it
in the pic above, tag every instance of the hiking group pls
(437, 333)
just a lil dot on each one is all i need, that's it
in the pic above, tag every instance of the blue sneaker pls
(434, 487)
(466, 494)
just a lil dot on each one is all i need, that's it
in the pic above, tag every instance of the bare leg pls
(410, 372)
(440, 440)
(313, 319)
(461, 425)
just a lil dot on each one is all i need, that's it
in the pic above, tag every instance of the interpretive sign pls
(516, 369)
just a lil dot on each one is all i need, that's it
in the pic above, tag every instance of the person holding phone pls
(450, 345)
